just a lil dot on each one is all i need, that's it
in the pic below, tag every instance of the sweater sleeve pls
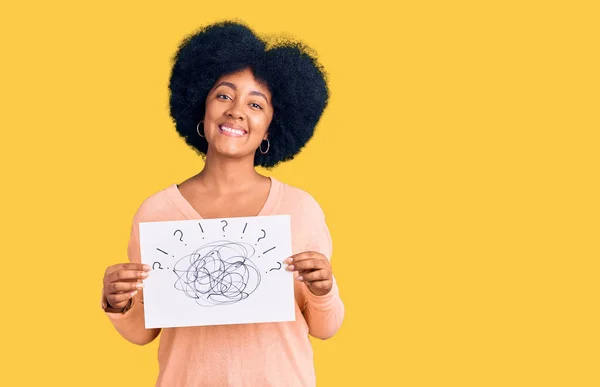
(323, 314)
(131, 324)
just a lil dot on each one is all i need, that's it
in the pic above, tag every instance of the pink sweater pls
(266, 354)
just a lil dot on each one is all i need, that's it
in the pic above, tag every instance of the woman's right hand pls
(122, 282)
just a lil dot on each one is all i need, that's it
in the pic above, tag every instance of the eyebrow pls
(234, 87)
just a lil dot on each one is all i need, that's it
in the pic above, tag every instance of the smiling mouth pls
(232, 131)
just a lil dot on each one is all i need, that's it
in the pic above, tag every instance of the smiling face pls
(239, 111)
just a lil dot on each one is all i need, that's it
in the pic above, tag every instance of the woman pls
(239, 105)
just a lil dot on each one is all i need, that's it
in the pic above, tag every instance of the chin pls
(230, 152)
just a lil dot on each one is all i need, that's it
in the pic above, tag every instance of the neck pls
(223, 174)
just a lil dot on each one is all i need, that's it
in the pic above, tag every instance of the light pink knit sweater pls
(267, 354)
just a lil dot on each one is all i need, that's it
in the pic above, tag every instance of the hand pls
(313, 269)
(122, 282)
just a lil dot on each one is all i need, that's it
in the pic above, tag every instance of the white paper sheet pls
(217, 271)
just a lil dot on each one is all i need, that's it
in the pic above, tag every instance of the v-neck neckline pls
(189, 211)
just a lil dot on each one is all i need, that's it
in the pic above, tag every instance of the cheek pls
(213, 109)
(260, 123)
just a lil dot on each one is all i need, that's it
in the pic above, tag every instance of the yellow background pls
(457, 165)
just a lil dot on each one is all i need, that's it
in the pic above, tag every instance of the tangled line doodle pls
(219, 273)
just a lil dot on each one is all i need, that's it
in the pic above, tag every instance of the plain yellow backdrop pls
(457, 164)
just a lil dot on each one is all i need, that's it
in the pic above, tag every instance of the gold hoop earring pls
(268, 146)
(198, 129)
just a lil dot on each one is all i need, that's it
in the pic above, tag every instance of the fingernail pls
(289, 260)
(144, 274)
(147, 268)
(290, 268)
(139, 285)
(299, 278)
(134, 293)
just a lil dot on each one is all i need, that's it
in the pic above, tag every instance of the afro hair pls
(288, 68)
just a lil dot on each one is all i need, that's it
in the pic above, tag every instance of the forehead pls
(244, 80)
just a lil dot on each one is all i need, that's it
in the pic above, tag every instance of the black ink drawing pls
(226, 224)
(262, 237)
(218, 273)
(164, 252)
(159, 266)
(279, 263)
(272, 248)
(181, 237)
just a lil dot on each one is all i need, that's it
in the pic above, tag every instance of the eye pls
(223, 96)
(255, 105)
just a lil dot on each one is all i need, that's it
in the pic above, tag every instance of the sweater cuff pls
(324, 302)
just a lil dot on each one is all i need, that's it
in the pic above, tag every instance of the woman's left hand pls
(313, 269)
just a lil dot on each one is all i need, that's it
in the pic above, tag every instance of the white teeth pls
(234, 131)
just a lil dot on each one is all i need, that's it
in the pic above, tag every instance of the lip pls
(229, 125)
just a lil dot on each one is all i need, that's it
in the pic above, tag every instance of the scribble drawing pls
(218, 273)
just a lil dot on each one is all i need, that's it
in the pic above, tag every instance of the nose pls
(235, 111)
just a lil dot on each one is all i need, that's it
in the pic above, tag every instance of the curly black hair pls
(288, 68)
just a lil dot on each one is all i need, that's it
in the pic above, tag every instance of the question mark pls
(279, 263)
(155, 264)
(226, 224)
(262, 237)
(181, 237)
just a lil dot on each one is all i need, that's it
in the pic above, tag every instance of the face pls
(238, 113)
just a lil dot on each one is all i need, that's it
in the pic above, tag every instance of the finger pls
(114, 299)
(128, 266)
(317, 275)
(122, 275)
(308, 264)
(302, 256)
(122, 287)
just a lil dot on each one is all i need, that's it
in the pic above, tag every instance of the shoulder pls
(297, 200)
(157, 206)
(308, 224)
